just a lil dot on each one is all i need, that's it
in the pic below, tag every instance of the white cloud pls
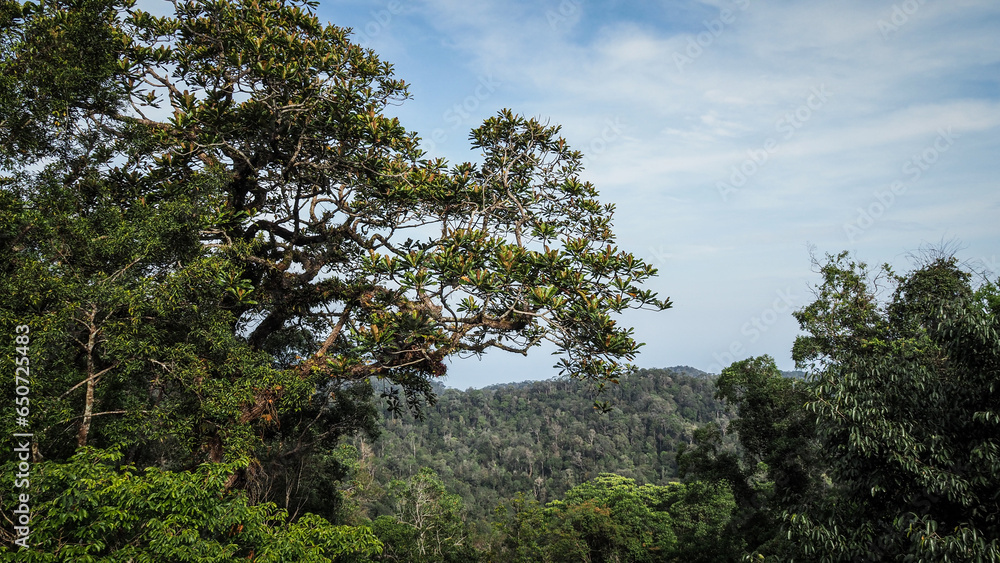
(684, 129)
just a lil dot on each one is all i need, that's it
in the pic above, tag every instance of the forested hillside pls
(543, 437)
(218, 247)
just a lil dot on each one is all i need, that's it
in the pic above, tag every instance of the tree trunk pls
(88, 404)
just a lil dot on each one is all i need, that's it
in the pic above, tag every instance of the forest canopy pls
(889, 450)
(222, 262)
(218, 240)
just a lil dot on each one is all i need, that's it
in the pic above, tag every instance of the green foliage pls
(702, 516)
(543, 438)
(611, 518)
(57, 62)
(712, 457)
(90, 510)
(771, 425)
(889, 451)
(218, 239)
(906, 400)
(426, 523)
(615, 519)
(775, 468)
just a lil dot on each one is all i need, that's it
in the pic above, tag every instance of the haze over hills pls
(679, 370)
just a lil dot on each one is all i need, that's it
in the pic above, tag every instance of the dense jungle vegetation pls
(544, 437)
(229, 283)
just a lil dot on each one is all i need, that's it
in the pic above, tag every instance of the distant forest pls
(544, 437)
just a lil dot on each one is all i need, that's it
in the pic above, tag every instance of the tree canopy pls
(217, 246)
(889, 450)
(907, 408)
(610, 518)
(218, 238)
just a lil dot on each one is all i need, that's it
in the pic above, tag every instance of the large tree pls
(218, 238)
(773, 466)
(907, 406)
(888, 451)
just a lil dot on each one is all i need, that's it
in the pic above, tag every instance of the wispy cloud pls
(896, 73)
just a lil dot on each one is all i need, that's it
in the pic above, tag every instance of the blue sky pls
(730, 134)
